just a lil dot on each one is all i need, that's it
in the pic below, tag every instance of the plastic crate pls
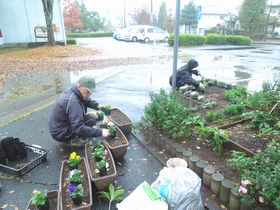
(35, 156)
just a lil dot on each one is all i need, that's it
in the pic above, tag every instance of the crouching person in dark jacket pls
(69, 122)
(184, 75)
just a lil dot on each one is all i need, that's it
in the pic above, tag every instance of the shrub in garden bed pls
(217, 39)
(187, 40)
(260, 176)
(71, 41)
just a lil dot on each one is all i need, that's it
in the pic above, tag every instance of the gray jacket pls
(68, 114)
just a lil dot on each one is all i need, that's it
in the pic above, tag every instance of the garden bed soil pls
(248, 138)
(100, 182)
(117, 145)
(66, 201)
(121, 120)
(53, 197)
(214, 93)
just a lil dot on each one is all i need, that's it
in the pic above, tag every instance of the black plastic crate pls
(35, 156)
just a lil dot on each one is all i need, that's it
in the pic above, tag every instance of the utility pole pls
(124, 14)
(175, 52)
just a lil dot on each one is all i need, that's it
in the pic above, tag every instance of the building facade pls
(23, 21)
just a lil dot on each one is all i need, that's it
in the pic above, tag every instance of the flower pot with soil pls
(117, 145)
(101, 182)
(76, 193)
(66, 202)
(53, 201)
(122, 121)
(39, 200)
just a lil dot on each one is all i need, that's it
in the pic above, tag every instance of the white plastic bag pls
(180, 187)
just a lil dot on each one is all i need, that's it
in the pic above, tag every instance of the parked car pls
(119, 34)
(146, 33)
(1, 37)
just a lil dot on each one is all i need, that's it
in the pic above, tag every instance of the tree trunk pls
(48, 10)
(267, 22)
(185, 29)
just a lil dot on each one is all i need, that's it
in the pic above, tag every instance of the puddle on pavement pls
(242, 75)
(261, 51)
(240, 67)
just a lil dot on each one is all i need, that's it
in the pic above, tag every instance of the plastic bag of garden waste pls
(180, 187)
(143, 198)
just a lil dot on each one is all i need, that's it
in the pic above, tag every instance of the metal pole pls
(175, 51)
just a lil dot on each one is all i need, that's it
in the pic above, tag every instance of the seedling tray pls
(35, 156)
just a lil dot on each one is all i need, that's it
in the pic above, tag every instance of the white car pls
(1, 37)
(146, 33)
(119, 35)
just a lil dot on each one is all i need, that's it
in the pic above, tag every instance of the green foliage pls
(74, 159)
(238, 40)
(112, 195)
(162, 16)
(75, 176)
(71, 41)
(234, 109)
(39, 198)
(97, 144)
(188, 15)
(213, 116)
(264, 122)
(167, 112)
(236, 95)
(217, 136)
(98, 153)
(86, 35)
(252, 14)
(217, 39)
(187, 40)
(101, 164)
(262, 173)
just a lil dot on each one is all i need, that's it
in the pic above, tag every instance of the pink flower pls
(261, 199)
(245, 182)
(242, 190)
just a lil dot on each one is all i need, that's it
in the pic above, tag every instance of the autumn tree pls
(48, 11)
(188, 16)
(162, 16)
(169, 23)
(141, 16)
(252, 15)
(231, 20)
(72, 18)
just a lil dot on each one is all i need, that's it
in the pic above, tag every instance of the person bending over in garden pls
(184, 75)
(69, 122)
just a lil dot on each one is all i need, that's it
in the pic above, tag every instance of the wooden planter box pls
(122, 121)
(54, 201)
(100, 182)
(118, 151)
(231, 145)
(65, 197)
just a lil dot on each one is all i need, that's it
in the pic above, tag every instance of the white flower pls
(107, 164)
(96, 171)
(111, 124)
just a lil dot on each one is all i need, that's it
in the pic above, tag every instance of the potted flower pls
(75, 177)
(97, 144)
(101, 167)
(106, 108)
(112, 129)
(74, 161)
(99, 154)
(76, 193)
(40, 200)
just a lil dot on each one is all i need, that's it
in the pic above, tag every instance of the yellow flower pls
(36, 192)
(73, 155)
(78, 157)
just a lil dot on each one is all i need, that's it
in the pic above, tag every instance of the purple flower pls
(71, 189)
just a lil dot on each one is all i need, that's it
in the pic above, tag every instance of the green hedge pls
(216, 39)
(86, 35)
(71, 41)
(187, 40)
(212, 39)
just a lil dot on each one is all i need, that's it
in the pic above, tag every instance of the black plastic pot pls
(78, 200)
(72, 167)
(45, 206)
(102, 172)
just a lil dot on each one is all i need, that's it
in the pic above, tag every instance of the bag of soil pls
(3, 156)
(14, 148)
